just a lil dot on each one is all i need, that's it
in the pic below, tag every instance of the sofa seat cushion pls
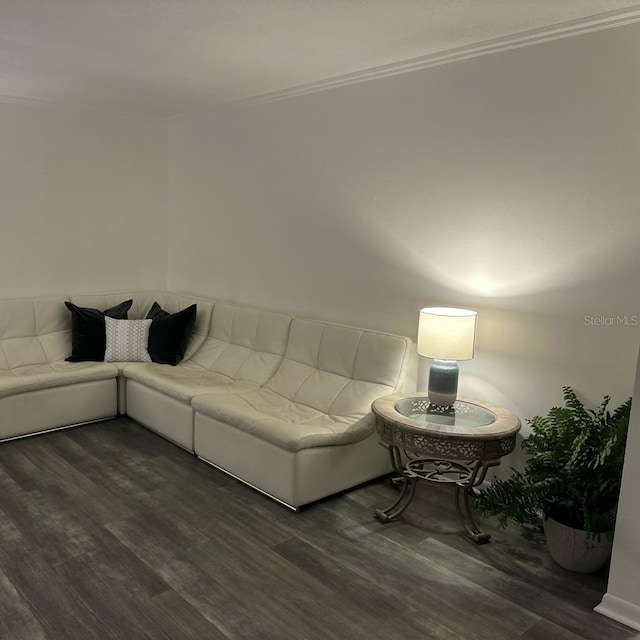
(54, 374)
(289, 425)
(185, 381)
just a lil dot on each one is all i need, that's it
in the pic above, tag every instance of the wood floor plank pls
(428, 588)
(181, 619)
(366, 601)
(267, 582)
(575, 618)
(523, 554)
(17, 466)
(48, 533)
(363, 593)
(66, 448)
(17, 621)
(198, 588)
(233, 518)
(546, 630)
(51, 599)
(109, 532)
(67, 483)
(427, 584)
(121, 614)
(158, 552)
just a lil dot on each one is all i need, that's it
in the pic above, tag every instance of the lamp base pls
(443, 382)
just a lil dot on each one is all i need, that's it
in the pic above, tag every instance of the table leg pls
(407, 488)
(465, 491)
(396, 460)
(404, 499)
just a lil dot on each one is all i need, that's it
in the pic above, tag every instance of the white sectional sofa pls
(281, 403)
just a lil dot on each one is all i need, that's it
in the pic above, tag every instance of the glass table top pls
(462, 414)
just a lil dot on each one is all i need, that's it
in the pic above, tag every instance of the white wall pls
(507, 183)
(622, 600)
(83, 201)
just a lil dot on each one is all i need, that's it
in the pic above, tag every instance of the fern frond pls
(574, 461)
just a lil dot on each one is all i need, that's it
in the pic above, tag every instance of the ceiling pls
(167, 58)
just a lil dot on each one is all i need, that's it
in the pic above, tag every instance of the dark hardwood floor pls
(108, 531)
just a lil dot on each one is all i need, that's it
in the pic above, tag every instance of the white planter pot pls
(573, 549)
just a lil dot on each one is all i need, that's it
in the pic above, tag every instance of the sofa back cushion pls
(243, 343)
(34, 331)
(143, 301)
(339, 370)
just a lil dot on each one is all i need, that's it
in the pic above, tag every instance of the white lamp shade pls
(446, 333)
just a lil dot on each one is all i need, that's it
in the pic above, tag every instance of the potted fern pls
(571, 480)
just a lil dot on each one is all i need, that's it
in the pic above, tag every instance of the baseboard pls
(620, 610)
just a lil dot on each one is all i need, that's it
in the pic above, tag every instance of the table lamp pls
(446, 335)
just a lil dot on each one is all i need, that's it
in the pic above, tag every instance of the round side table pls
(443, 445)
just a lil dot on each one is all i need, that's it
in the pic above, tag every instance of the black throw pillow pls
(157, 311)
(88, 333)
(169, 333)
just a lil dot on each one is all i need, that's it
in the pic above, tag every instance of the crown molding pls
(557, 31)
